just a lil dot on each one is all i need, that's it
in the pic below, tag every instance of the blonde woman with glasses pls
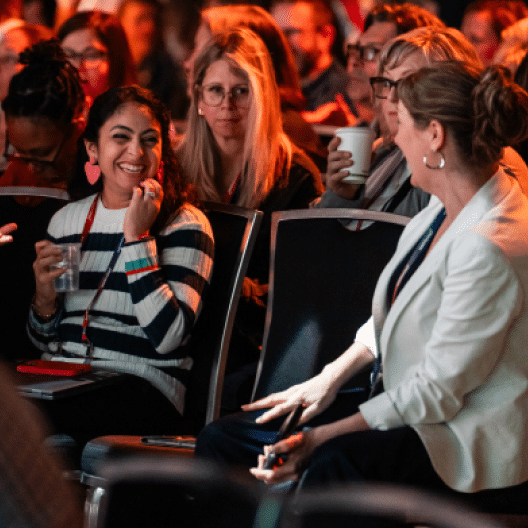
(235, 151)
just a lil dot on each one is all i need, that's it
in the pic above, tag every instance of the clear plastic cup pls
(71, 258)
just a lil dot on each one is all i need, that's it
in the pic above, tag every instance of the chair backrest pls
(188, 493)
(379, 505)
(234, 230)
(322, 278)
(16, 263)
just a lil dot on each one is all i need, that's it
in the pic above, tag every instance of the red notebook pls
(53, 368)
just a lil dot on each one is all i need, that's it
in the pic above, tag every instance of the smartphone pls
(53, 368)
(186, 442)
(285, 431)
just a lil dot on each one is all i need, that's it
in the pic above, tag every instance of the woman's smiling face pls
(128, 149)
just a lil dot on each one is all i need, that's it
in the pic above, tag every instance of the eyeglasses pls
(214, 94)
(90, 57)
(36, 165)
(381, 86)
(367, 53)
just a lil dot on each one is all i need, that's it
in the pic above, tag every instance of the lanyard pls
(87, 227)
(400, 277)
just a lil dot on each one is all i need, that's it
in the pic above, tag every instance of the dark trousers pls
(395, 456)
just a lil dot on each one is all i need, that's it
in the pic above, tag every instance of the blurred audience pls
(142, 21)
(96, 44)
(10, 14)
(484, 20)
(235, 151)
(217, 19)
(44, 114)
(513, 45)
(310, 28)
(12, 43)
(40, 12)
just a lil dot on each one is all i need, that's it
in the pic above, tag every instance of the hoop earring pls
(440, 164)
(92, 171)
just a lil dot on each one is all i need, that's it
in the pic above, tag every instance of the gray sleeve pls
(331, 200)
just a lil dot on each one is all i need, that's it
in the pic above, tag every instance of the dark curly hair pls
(49, 86)
(176, 191)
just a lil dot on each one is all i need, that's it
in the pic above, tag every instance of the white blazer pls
(454, 345)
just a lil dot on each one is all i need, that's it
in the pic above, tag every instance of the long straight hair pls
(267, 151)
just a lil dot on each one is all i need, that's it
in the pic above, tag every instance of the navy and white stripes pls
(151, 299)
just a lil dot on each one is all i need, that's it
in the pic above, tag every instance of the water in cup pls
(69, 280)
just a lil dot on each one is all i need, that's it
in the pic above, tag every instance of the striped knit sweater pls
(150, 302)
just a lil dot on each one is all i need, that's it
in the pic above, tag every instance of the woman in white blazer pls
(450, 312)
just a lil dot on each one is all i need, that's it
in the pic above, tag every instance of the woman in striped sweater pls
(138, 229)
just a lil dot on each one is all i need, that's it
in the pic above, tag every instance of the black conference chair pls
(322, 278)
(371, 505)
(16, 264)
(156, 491)
(234, 230)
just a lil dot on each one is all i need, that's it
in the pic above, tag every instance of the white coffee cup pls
(71, 258)
(358, 141)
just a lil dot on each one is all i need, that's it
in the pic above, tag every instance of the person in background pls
(484, 20)
(142, 21)
(147, 256)
(310, 28)
(388, 187)
(513, 45)
(96, 44)
(44, 117)
(40, 12)
(44, 110)
(12, 43)
(235, 151)
(382, 23)
(10, 14)
(219, 18)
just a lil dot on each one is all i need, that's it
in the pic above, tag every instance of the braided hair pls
(48, 86)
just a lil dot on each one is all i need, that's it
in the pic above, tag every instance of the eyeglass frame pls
(376, 80)
(232, 98)
(360, 51)
(35, 163)
(73, 57)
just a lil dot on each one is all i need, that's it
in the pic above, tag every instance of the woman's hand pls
(5, 231)
(338, 162)
(317, 394)
(48, 254)
(298, 448)
(143, 210)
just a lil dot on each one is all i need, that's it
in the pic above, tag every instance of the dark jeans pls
(395, 456)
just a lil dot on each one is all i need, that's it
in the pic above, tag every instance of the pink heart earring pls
(92, 170)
